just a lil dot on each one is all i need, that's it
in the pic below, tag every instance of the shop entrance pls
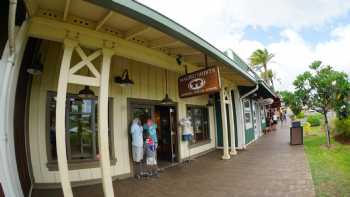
(165, 116)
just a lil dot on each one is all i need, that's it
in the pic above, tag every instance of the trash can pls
(296, 134)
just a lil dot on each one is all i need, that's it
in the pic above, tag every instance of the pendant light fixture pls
(211, 100)
(124, 80)
(166, 100)
(35, 67)
(86, 93)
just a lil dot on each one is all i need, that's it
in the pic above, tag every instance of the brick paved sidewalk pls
(269, 167)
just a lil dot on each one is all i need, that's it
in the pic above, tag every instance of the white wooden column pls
(226, 154)
(60, 118)
(100, 79)
(232, 125)
(103, 124)
(240, 119)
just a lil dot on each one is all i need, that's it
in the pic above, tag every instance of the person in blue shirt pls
(151, 128)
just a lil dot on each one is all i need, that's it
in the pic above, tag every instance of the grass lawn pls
(330, 168)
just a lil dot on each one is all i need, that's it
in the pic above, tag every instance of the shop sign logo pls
(196, 84)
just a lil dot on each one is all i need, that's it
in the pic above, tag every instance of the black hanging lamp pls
(211, 100)
(124, 80)
(35, 67)
(86, 93)
(166, 100)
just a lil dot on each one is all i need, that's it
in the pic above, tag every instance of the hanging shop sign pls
(199, 82)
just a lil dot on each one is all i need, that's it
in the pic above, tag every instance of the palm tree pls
(261, 57)
(270, 76)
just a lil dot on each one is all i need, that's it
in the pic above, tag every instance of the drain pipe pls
(250, 92)
(11, 26)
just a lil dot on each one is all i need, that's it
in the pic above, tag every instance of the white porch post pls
(103, 124)
(226, 154)
(239, 116)
(232, 125)
(60, 118)
(9, 70)
(68, 75)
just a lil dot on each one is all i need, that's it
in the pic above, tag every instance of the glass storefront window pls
(81, 127)
(200, 122)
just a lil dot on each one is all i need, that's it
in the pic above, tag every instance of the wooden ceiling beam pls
(163, 42)
(31, 6)
(184, 51)
(104, 20)
(136, 31)
(66, 10)
(198, 59)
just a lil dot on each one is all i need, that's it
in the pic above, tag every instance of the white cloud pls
(286, 13)
(293, 54)
(262, 13)
(222, 23)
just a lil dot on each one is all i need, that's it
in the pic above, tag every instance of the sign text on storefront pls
(199, 82)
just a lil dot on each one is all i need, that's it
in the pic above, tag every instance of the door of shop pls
(165, 116)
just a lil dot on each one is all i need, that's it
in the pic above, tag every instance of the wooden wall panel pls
(149, 84)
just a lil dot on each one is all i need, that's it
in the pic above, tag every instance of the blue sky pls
(312, 35)
(296, 31)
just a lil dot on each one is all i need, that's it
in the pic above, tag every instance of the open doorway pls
(165, 116)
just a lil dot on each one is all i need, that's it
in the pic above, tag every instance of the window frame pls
(248, 110)
(192, 143)
(74, 164)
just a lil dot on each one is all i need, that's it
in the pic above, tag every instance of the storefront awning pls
(263, 91)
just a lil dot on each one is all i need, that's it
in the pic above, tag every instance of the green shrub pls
(292, 117)
(301, 115)
(307, 128)
(314, 120)
(342, 127)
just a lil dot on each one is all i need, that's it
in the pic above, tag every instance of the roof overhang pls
(146, 15)
(141, 34)
(263, 91)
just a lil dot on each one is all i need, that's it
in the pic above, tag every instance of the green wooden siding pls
(263, 125)
(249, 135)
(219, 123)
